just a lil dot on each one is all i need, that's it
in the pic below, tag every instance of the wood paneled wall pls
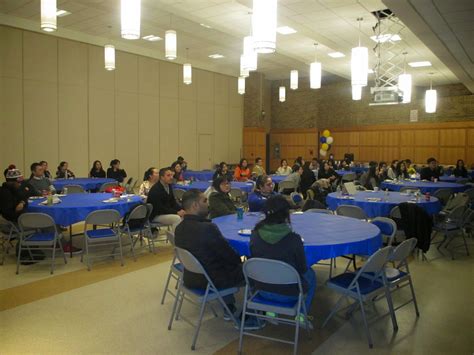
(447, 142)
(254, 144)
(293, 143)
(59, 103)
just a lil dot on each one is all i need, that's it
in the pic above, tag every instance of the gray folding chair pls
(178, 194)
(104, 236)
(351, 211)
(202, 297)
(364, 286)
(176, 270)
(137, 227)
(286, 185)
(348, 177)
(443, 195)
(388, 227)
(38, 230)
(237, 195)
(453, 226)
(108, 185)
(9, 231)
(319, 210)
(74, 189)
(409, 190)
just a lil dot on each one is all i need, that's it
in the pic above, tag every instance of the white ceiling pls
(331, 23)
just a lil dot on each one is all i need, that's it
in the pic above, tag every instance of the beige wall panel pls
(311, 139)
(249, 138)
(340, 138)
(407, 138)
(452, 137)
(407, 152)
(11, 55)
(126, 132)
(369, 153)
(126, 72)
(369, 138)
(188, 132)
(427, 137)
(40, 121)
(423, 153)
(450, 155)
(40, 57)
(99, 77)
(221, 133)
(169, 79)
(205, 86)
(470, 137)
(148, 131)
(338, 151)
(169, 130)
(389, 153)
(72, 62)
(187, 92)
(205, 118)
(101, 126)
(221, 89)
(73, 128)
(354, 138)
(469, 156)
(389, 138)
(235, 100)
(148, 76)
(11, 123)
(355, 151)
(235, 133)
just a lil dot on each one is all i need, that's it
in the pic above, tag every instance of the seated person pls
(242, 171)
(382, 171)
(39, 184)
(166, 210)
(258, 168)
(13, 202)
(63, 171)
(327, 173)
(298, 161)
(150, 178)
(372, 179)
(222, 170)
(307, 178)
(220, 203)
(432, 171)
(401, 170)
(114, 172)
(183, 163)
(460, 170)
(263, 190)
(97, 171)
(410, 167)
(46, 172)
(178, 175)
(392, 170)
(272, 238)
(284, 169)
(331, 161)
(295, 177)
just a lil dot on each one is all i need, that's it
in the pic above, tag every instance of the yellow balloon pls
(326, 133)
(325, 146)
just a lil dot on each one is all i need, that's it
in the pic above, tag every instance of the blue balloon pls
(322, 139)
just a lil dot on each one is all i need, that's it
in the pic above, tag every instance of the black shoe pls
(251, 323)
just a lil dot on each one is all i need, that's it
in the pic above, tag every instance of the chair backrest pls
(349, 177)
(376, 261)
(74, 189)
(456, 215)
(103, 217)
(178, 194)
(470, 193)
(319, 210)
(129, 181)
(107, 185)
(395, 213)
(409, 189)
(468, 218)
(351, 211)
(190, 262)
(459, 199)
(139, 212)
(387, 226)
(35, 221)
(403, 251)
(286, 184)
(237, 195)
(268, 271)
(443, 195)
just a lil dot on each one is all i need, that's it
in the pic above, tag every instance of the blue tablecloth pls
(424, 186)
(452, 178)
(380, 208)
(278, 178)
(204, 175)
(86, 183)
(360, 169)
(75, 207)
(324, 236)
(203, 185)
(344, 172)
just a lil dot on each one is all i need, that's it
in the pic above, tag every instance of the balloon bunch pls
(326, 141)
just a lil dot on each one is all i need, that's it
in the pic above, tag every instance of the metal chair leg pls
(366, 326)
(413, 296)
(175, 304)
(201, 314)
(166, 287)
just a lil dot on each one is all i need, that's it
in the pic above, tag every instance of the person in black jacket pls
(307, 178)
(460, 170)
(273, 238)
(114, 172)
(13, 201)
(327, 173)
(222, 171)
(165, 208)
(97, 171)
(432, 171)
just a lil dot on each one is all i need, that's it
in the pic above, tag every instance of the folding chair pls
(176, 270)
(45, 236)
(202, 297)
(108, 185)
(348, 177)
(388, 227)
(351, 211)
(443, 195)
(297, 199)
(74, 189)
(369, 282)
(104, 236)
(237, 195)
(9, 231)
(286, 185)
(136, 225)
(319, 210)
(156, 225)
(454, 225)
(258, 271)
(178, 194)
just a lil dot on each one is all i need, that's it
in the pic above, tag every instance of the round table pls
(204, 175)
(382, 207)
(359, 169)
(324, 236)
(75, 207)
(450, 178)
(343, 172)
(278, 178)
(86, 183)
(203, 185)
(423, 186)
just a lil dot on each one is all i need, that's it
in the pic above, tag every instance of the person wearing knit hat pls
(13, 201)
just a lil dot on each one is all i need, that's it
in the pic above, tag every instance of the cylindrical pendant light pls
(130, 18)
(315, 73)
(244, 72)
(431, 99)
(282, 94)
(404, 85)
(241, 85)
(294, 79)
(170, 45)
(48, 15)
(359, 63)
(109, 57)
(187, 71)
(250, 56)
(356, 92)
(264, 23)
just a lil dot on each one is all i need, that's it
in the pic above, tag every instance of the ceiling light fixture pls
(386, 37)
(264, 20)
(187, 71)
(48, 15)
(404, 83)
(62, 13)
(359, 63)
(130, 18)
(315, 71)
(294, 79)
(282, 94)
(241, 85)
(244, 72)
(285, 30)
(109, 57)
(216, 56)
(170, 45)
(152, 38)
(250, 56)
(336, 55)
(424, 63)
(431, 98)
